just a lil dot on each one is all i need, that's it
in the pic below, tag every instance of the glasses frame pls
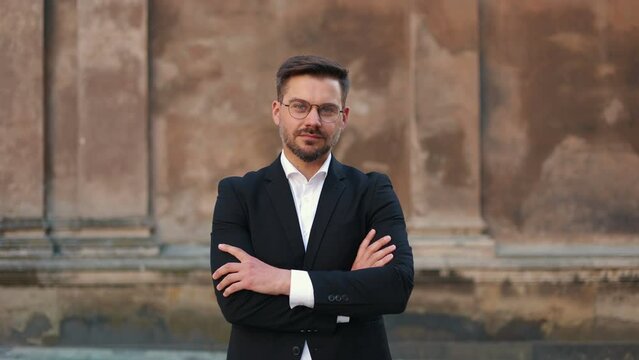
(310, 108)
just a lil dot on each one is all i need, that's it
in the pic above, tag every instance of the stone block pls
(87, 315)
(585, 351)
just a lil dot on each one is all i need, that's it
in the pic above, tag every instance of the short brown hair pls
(315, 66)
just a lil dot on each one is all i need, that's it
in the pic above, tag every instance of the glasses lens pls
(299, 109)
(329, 112)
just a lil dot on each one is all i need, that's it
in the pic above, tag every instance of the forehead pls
(317, 90)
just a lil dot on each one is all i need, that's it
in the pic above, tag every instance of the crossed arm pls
(250, 273)
(380, 278)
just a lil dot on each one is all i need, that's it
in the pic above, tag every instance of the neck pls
(308, 169)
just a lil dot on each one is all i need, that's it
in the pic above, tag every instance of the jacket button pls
(331, 298)
(345, 297)
(338, 298)
(296, 350)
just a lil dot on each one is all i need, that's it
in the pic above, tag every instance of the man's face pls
(309, 138)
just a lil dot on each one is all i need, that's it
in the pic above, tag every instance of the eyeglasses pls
(299, 109)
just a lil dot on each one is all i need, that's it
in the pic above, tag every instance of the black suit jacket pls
(257, 213)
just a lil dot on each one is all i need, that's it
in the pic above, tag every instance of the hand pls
(250, 274)
(373, 255)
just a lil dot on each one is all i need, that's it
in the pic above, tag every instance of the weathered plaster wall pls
(444, 136)
(560, 126)
(207, 88)
(213, 82)
(414, 100)
(98, 88)
(521, 115)
(147, 308)
(21, 110)
(112, 107)
(174, 314)
(460, 308)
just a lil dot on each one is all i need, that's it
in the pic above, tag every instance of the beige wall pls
(515, 120)
(21, 110)
(213, 78)
(561, 119)
(500, 122)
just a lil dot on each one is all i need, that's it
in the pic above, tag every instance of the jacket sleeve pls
(248, 308)
(373, 291)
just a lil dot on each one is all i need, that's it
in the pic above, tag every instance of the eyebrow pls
(326, 103)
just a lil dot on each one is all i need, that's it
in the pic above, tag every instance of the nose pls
(313, 118)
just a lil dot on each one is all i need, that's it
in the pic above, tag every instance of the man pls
(308, 253)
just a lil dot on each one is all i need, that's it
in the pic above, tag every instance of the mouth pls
(310, 136)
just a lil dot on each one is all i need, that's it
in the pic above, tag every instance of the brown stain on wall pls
(569, 71)
(446, 156)
(451, 22)
(345, 33)
(551, 113)
(129, 12)
(385, 148)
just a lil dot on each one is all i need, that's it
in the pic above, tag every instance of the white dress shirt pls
(306, 194)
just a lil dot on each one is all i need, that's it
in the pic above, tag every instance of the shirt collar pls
(290, 169)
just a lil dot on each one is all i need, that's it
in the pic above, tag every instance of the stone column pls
(21, 121)
(99, 121)
(445, 120)
(112, 108)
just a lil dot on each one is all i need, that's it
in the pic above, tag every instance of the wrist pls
(285, 283)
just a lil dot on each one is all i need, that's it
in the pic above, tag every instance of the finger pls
(379, 244)
(385, 260)
(225, 269)
(382, 252)
(235, 251)
(235, 287)
(228, 280)
(365, 242)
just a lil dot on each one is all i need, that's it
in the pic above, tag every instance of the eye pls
(299, 106)
(329, 110)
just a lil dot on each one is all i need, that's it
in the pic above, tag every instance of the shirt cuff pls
(301, 292)
(343, 319)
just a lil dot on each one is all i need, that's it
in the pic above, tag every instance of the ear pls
(346, 111)
(275, 112)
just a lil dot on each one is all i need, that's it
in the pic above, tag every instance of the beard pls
(312, 155)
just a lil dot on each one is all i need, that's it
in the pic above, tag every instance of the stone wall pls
(21, 109)
(414, 99)
(560, 121)
(509, 130)
(177, 309)
(514, 120)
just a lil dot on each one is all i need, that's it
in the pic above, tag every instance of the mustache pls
(313, 132)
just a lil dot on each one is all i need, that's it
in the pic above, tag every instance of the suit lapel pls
(331, 192)
(282, 200)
